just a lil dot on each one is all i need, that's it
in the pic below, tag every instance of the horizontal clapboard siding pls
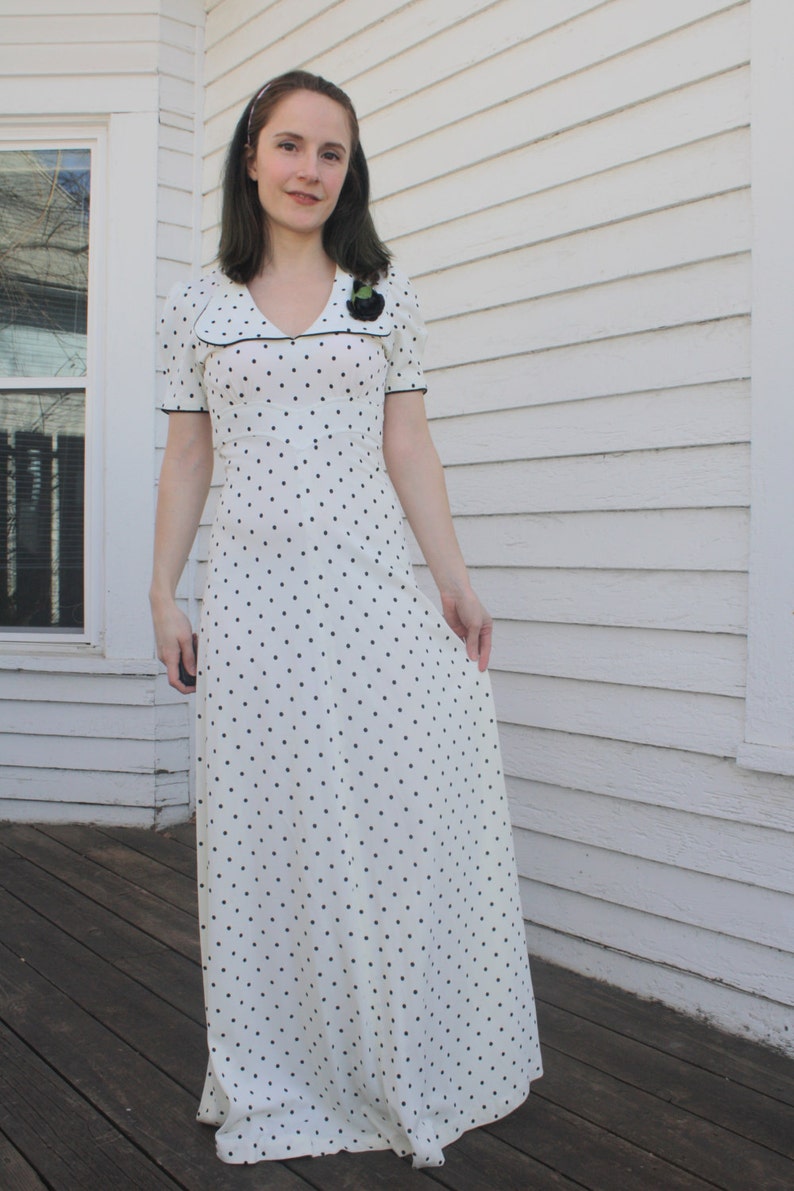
(669, 892)
(713, 165)
(466, 122)
(678, 539)
(688, 416)
(569, 186)
(180, 74)
(672, 357)
(84, 736)
(640, 137)
(178, 259)
(758, 856)
(179, 150)
(695, 477)
(662, 777)
(668, 942)
(91, 740)
(701, 662)
(82, 796)
(693, 601)
(106, 62)
(642, 715)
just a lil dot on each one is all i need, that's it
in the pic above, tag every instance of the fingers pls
(190, 658)
(180, 664)
(186, 665)
(477, 634)
(478, 643)
(175, 681)
(176, 644)
(472, 640)
(469, 620)
(176, 668)
(486, 637)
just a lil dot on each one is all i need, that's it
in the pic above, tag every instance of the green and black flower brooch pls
(366, 303)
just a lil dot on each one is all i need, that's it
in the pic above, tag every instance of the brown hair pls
(349, 235)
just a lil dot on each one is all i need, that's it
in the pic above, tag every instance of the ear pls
(249, 156)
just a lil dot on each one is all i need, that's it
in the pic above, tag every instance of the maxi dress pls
(364, 959)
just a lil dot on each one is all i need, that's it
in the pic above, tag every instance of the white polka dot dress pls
(364, 959)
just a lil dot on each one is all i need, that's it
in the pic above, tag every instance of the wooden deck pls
(103, 1056)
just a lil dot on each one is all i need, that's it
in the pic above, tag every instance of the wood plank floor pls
(102, 1056)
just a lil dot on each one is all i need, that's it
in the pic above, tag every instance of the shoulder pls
(401, 301)
(397, 288)
(178, 345)
(402, 305)
(408, 333)
(187, 299)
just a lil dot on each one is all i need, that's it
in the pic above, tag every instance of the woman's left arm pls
(418, 478)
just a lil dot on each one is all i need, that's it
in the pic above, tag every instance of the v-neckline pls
(311, 325)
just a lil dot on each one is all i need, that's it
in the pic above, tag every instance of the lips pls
(301, 197)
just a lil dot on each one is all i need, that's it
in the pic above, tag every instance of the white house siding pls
(178, 256)
(568, 184)
(90, 732)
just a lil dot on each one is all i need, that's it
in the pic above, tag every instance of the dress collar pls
(231, 316)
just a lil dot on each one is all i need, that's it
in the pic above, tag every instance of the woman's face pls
(300, 161)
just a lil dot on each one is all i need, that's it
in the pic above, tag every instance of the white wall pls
(569, 186)
(89, 731)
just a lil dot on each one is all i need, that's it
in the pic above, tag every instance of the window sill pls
(63, 658)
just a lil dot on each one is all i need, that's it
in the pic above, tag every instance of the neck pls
(295, 255)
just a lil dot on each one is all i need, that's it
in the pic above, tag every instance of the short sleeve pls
(180, 353)
(406, 342)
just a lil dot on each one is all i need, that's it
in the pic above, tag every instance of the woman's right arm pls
(185, 479)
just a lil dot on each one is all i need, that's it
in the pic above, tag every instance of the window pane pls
(44, 205)
(41, 509)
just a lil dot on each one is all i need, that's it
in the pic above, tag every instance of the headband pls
(251, 111)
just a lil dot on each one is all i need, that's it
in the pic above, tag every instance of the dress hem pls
(279, 1152)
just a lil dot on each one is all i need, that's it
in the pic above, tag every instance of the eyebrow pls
(296, 136)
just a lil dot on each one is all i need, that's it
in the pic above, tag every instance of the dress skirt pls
(364, 957)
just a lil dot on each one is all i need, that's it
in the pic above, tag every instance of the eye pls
(288, 145)
(332, 155)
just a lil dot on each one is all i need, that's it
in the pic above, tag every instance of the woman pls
(365, 969)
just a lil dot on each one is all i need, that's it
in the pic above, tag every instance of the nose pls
(307, 168)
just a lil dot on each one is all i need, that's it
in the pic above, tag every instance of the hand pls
(468, 619)
(175, 640)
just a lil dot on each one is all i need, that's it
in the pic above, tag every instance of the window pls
(44, 250)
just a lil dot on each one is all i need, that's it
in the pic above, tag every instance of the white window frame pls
(94, 138)
(768, 743)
